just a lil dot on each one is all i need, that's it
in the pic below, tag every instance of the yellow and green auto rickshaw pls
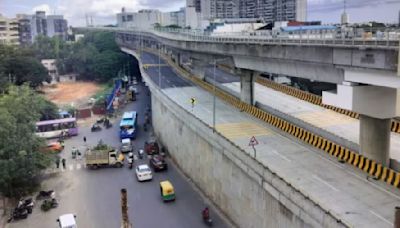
(167, 191)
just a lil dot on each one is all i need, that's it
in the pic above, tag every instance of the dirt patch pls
(67, 93)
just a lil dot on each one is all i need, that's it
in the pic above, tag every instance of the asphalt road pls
(221, 76)
(94, 195)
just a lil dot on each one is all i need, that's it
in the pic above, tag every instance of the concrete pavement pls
(94, 195)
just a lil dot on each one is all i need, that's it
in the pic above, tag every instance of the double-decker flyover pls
(287, 184)
(330, 61)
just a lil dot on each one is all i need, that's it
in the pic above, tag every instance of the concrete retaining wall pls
(246, 191)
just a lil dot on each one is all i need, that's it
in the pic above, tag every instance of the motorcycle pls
(18, 214)
(49, 204)
(27, 204)
(95, 127)
(206, 219)
(107, 124)
(141, 154)
(46, 194)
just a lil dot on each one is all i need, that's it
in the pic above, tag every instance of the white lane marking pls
(358, 177)
(78, 166)
(381, 217)
(71, 167)
(281, 156)
(324, 182)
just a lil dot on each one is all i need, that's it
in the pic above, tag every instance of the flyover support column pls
(247, 78)
(377, 105)
(375, 138)
(199, 68)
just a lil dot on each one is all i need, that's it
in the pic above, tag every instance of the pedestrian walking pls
(58, 162)
(84, 139)
(63, 162)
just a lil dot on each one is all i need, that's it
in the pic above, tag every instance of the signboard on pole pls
(253, 142)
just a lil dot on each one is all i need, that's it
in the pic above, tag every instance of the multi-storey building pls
(25, 33)
(51, 25)
(267, 10)
(57, 26)
(9, 33)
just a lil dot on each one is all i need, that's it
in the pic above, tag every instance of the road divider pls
(344, 155)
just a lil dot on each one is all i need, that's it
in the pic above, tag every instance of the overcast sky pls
(103, 11)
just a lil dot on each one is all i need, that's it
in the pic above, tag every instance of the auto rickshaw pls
(167, 191)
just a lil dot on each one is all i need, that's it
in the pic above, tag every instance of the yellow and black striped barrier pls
(343, 154)
(315, 99)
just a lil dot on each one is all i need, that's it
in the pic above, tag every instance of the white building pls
(142, 19)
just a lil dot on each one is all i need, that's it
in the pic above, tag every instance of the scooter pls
(141, 154)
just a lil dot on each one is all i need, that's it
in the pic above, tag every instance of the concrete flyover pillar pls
(247, 78)
(199, 67)
(375, 138)
(376, 106)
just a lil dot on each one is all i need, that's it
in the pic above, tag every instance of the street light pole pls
(159, 66)
(214, 95)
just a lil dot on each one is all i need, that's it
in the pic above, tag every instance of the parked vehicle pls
(158, 163)
(49, 204)
(27, 204)
(143, 173)
(167, 191)
(18, 214)
(103, 155)
(67, 221)
(151, 147)
(126, 145)
(46, 195)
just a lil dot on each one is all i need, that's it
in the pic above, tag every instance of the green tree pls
(26, 70)
(20, 158)
(19, 66)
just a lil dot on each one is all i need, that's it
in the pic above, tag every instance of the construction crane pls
(124, 210)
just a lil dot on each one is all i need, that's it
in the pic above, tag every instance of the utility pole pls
(124, 210)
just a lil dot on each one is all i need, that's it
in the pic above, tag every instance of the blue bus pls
(128, 125)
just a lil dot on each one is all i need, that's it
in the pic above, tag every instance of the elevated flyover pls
(365, 71)
(287, 183)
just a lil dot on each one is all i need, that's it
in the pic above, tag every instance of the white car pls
(67, 221)
(143, 172)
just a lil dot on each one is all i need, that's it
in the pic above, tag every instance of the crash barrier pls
(315, 99)
(370, 167)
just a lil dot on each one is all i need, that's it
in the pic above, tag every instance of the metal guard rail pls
(195, 37)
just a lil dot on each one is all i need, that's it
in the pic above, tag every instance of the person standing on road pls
(63, 162)
(58, 162)
(84, 139)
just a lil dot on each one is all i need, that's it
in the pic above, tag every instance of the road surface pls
(94, 195)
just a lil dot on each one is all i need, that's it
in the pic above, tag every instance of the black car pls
(158, 163)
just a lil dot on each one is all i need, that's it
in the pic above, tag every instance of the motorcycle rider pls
(206, 213)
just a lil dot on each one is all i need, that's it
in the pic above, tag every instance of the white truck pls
(103, 155)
